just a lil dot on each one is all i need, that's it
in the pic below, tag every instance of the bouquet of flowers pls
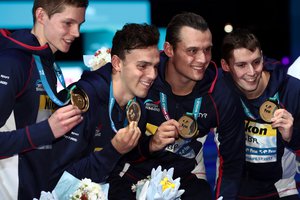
(159, 186)
(88, 191)
(100, 58)
(71, 188)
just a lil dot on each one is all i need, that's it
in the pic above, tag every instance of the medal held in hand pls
(133, 111)
(80, 99)
(267, 109)
(189, 126)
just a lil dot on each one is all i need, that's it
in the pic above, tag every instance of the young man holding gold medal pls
(271, 102)
(114, 120)
(28, 79)
(185, 102)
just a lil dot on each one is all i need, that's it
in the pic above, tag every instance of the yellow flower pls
(166, 184)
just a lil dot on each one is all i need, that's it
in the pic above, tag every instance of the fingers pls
(169, 129)
(64, 119)
(282, 118)
(283, 121)
(134, 133)
(127, 138)
(166, 134)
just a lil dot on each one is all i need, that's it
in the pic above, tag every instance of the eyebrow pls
(144, 62)
(73, 20)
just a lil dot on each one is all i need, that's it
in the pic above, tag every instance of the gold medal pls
(189, 126)
(80, 99)
(133, 112)
(267, 109)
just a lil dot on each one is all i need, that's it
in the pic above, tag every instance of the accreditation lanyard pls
(111, 104)
(248, 112)
(164, 107)
(45, 83)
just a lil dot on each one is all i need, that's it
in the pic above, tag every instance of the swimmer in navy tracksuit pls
(92, 149)
(22, 92)
(97, 130)
(28, 94)
(270, 145)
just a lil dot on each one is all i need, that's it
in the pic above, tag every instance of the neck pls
(37, 32)
(265, 77)
(120, 92)
(180, 84)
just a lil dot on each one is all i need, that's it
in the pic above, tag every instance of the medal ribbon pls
(45, 83)
(164, 107)
(247, 111)
(111, 104)
(196, 109)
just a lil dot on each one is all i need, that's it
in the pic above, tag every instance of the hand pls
(283, 120)
(64, 119)
(126, 138)
(165, 134)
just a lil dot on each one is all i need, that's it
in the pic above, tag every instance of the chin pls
(142, 94)
(64, 49)
(197, 78)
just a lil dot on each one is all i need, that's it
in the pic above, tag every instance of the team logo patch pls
(39, 86)
(98, 130)
(152, 105)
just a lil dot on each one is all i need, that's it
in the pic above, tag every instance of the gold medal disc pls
(133, 112)
(80, 99)
(189, 126)
(267, 109)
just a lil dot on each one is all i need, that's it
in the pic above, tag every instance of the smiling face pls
(192, 54)
(246, 68)
(61, 29)
(138, 70)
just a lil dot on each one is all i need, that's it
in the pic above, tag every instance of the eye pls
(257, 62)
(240, 65)
(192, 51)
(207, 50)
(68, 23)
(141, 66)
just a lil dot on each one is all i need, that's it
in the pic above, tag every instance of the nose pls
(75, 31)
(200, 57)
(152, 72)
(250, 69)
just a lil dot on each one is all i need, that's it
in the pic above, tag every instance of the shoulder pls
(14, 56)
(224, 97)
(291, 84)
(14, 61)
(223, 89)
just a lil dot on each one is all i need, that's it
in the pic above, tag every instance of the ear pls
(40, 15)
(116, 63)
(224, 65)
(168, 49)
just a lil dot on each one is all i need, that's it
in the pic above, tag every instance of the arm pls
(161, 136)
(231, 142)
(98, 165)
(13, 79)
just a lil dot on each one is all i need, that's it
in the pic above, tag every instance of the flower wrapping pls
(100, 58)
(159, 186)
(71, 188)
